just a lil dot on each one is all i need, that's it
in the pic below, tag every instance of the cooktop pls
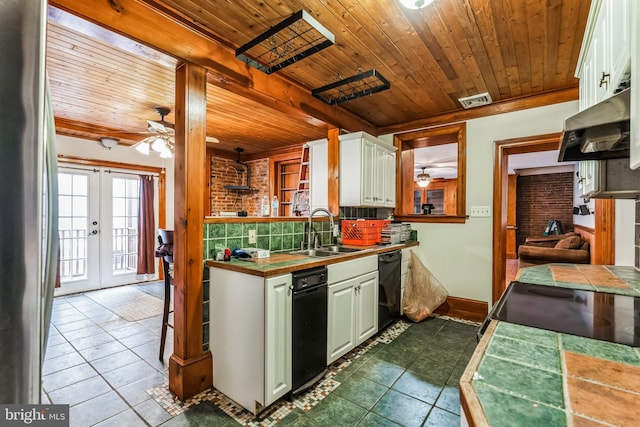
(598, 315)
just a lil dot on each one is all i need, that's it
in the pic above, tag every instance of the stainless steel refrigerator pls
(28, 200)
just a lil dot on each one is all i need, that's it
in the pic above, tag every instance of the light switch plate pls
(480, 211)
(252, 237)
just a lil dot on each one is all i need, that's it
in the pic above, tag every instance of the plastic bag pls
(423, 293)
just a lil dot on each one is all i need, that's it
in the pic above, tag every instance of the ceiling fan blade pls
(158, 126)
(212, 139)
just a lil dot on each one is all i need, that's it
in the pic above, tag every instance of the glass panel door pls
(78, 209)
(98, 211)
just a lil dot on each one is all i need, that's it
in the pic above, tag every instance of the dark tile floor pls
(102, 366)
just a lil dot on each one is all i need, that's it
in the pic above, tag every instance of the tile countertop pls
(282, 263)
(526, 376)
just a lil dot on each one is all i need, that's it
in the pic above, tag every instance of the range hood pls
(600, 132)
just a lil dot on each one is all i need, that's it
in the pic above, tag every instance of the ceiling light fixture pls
(423, 178)
(160, 143)
(108, 142)
(415, 4)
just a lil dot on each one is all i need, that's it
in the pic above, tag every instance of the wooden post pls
(334, 171)
(190, 368)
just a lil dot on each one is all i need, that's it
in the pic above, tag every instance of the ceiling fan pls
(162, 138)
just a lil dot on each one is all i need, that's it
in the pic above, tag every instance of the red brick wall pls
(541, 198)
(223, 173)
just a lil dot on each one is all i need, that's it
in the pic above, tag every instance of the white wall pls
(460, 255)
(625, 232)
(87, 149)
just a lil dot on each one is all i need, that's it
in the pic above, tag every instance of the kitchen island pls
(521, 375)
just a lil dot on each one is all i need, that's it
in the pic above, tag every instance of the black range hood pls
(600, 132)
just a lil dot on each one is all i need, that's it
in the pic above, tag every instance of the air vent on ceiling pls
(475, 100)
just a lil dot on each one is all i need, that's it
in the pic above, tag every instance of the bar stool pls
(165, 251)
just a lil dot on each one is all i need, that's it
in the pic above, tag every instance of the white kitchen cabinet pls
(277, 338)
(588, 173)
(367, 171)
(318, 174)
(250, 333)
(605, 56)
(352, 305)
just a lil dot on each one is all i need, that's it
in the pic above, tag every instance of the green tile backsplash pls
(275, 236)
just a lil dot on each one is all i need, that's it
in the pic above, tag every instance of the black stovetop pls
(597, 315)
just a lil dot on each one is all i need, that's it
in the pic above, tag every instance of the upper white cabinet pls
(605, 56)
(318, 174)
(367, 171)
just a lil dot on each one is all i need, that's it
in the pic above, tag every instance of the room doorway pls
(98, 227)
(605, 213)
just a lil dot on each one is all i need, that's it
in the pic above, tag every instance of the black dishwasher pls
(309, 329)
(389, 271)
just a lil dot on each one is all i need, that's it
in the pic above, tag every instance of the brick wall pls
(223, 172)
(541, 198)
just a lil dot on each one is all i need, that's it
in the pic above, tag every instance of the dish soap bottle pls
(264, 206)
(274, 206)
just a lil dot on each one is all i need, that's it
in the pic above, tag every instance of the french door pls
(98, 226)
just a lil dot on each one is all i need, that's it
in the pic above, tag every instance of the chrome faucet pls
(310, 243)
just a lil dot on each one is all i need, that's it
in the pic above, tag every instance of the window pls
(440, 153)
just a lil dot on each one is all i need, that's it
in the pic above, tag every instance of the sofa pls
(563, 248)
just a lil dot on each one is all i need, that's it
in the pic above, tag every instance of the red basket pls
(361, 232)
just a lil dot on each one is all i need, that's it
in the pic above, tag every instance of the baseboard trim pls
(463, 308)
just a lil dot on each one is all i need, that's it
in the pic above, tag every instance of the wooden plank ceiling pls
(104, 84)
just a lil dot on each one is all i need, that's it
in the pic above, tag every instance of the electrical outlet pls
(480, 211)
(252, 237)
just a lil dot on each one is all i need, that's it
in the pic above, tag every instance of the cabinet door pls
(277, 364)
(368, 181)
(600, 44)
(366, 293)
(340, 320)
(389, 180)
(619, 41)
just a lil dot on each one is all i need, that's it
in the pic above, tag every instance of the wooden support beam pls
(155, 25)
(190, 368)
(333, 185)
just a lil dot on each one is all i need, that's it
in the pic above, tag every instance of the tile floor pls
(102, 366)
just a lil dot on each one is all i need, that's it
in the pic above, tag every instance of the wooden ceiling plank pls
(567, 54)
(482, 10)
(535, 30)
(141, 22)
(553, 23)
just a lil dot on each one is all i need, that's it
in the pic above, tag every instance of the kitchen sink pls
(315, 253)
(339, 249)
(325, 251)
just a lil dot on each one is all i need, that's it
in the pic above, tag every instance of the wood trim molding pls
(463, 308)
(333, 184)
(505, 106)
(603, 243)
(502, 152)
(605, 230)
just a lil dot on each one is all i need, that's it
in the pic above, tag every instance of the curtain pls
(146, 227)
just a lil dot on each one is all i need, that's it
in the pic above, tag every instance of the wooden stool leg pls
(167, 302)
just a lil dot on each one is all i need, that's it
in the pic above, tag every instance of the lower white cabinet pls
(352, 305)
(250, 337)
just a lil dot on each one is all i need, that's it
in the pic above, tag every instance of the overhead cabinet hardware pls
(365, 83)
(293, 39)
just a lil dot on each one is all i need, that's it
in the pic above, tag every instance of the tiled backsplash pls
(275, 236)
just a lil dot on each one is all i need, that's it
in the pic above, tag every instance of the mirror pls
(431, 174)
